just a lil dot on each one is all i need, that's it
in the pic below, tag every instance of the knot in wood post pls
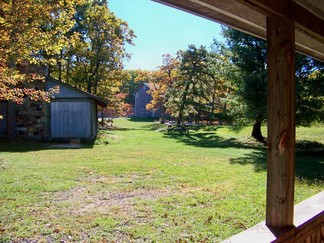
(282, 141)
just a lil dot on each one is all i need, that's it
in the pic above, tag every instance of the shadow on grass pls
(309, 163)
(258, 158)
(309, 160)
(123, 129)
(211, 140)
(19, 146)
(309, 155)
(143, 119)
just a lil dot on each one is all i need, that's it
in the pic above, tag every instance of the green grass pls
(137, 183)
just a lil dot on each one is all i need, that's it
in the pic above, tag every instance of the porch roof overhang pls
(250, 16)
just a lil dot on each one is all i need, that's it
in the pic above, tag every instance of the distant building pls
(142, 98)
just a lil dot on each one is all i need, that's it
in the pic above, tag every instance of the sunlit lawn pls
(137, 183)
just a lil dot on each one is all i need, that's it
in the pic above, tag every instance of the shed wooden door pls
(71, 119)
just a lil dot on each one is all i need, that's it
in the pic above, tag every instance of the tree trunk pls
(211, 116)
(60, 66)
(182, 105)
(68, 72)
(163, 115)
(256, 132)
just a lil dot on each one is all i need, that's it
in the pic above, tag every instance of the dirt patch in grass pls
(96, 198)
(4, 164)
(109, 207)
(93, 199)
(103, 202)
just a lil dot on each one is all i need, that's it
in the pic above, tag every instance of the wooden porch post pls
(281, 122)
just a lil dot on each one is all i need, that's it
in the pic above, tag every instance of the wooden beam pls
(281, 122)
(269, 8)
(227, 12)
(304, 18)
(315, 6)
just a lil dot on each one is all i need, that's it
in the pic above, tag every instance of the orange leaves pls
(18, 95)
(27, 29)
(28, 26)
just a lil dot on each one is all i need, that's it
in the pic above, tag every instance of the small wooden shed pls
(72, 112)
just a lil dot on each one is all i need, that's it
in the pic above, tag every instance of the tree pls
(162, 80)
(310, 90)
(129, 86)
(220, 73)
(90, 62)
(27, 29)
(249, 55)
(188, 94)
(118, 107)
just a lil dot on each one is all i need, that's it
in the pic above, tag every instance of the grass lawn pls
(137, 183)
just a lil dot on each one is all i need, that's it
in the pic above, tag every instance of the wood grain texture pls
(281, 122)
(71, 119)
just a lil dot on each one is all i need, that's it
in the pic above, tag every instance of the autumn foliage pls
(118, 108)
(78, 41)
(28, 29)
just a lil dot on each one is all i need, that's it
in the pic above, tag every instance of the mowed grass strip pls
(137, 183)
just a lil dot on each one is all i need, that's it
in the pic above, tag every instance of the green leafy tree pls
(188, 94)
(100, 51)
(129, 86)
(220, 72)
(310, 90)
(249, 55)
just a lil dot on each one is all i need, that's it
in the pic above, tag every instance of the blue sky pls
(161, 30)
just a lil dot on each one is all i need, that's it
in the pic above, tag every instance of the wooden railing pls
(308, 226)
(311, 231)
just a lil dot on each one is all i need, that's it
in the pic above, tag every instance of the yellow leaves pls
(28, 26)
(315, 74)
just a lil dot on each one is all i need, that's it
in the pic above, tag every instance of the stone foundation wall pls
(31, 120)
(30, 116)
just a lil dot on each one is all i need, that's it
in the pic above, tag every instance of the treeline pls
(80, 42)
(228, 83)
(193, 85)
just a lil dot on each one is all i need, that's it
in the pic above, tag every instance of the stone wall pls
(31, 120)
(27, 120)
(30, 116)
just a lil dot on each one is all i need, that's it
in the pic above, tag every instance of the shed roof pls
(77, 93)
(149, 85)
(250, 16)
